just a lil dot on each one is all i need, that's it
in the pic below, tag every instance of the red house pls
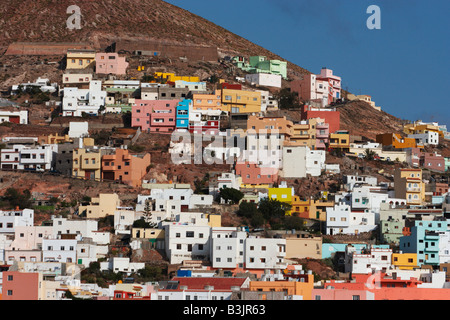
(209, 127)
(330, 115)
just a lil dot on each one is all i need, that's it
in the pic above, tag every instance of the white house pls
(264, 79)
(88, 251)
(123, 219)
(20, 116)
(376, 259)
(186, 242)
(78, 101)
(192, 86)
(78, 129)
(315, 162)
(61, 250)
(121, 264)
(352, 180)
(82, 228)
(227, 248)
(342, 220)
(294, 162)
(21, 157)
(428, 138)
(41, 83)
(9, 220)
(262, 253)
(225, 180)
(30, 237)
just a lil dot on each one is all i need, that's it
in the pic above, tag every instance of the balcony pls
(109, 157)
(432, 249)
(109, 168)
(431, 235)
(412, 189)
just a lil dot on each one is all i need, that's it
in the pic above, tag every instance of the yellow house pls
(207, 101)
(104, 205)
(171, 77)
(214, 220)
(80, 59)
(340, 140)
(152, 234)
(408, 185)
(318, 209)
(53, 139)
(404, 261)
(304, 134)
(283, 195)
(86, 164)
(240, 101)
(300, 207)
(418, 128)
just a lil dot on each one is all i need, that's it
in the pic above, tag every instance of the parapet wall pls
(43, 48)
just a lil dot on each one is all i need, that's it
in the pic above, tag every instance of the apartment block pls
(125, 167)
(110, 63)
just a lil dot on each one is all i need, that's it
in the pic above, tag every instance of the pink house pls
(21, 285)
(334, 82)
(432, 161)
(324, 87)
(154, 115)
(251, 173)
(428, 160)
(110, 63)
(322, 135)
(341, 294)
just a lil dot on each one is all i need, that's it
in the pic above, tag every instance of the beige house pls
(80, 59)
(408, 185)
(303, 246)
(104, 205)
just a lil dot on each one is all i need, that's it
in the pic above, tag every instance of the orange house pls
(207, 101)
(396, 141)
(125, 167)
(278, 125)
(303, 287)
(300, 207)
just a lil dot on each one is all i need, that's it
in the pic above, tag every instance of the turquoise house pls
(182, 113)
(424, 240)
(330, 249)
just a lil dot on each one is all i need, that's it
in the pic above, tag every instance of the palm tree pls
(369, 154)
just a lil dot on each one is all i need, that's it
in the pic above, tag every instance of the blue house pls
(424, 240)
(182, 113)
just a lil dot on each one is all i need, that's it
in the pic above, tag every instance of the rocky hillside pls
(104, 21)
(361, 119)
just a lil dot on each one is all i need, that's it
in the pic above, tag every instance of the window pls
(189, 234)
(10, 278)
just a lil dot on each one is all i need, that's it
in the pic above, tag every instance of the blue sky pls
(403, 65)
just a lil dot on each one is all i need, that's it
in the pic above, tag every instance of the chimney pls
(17, 208)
